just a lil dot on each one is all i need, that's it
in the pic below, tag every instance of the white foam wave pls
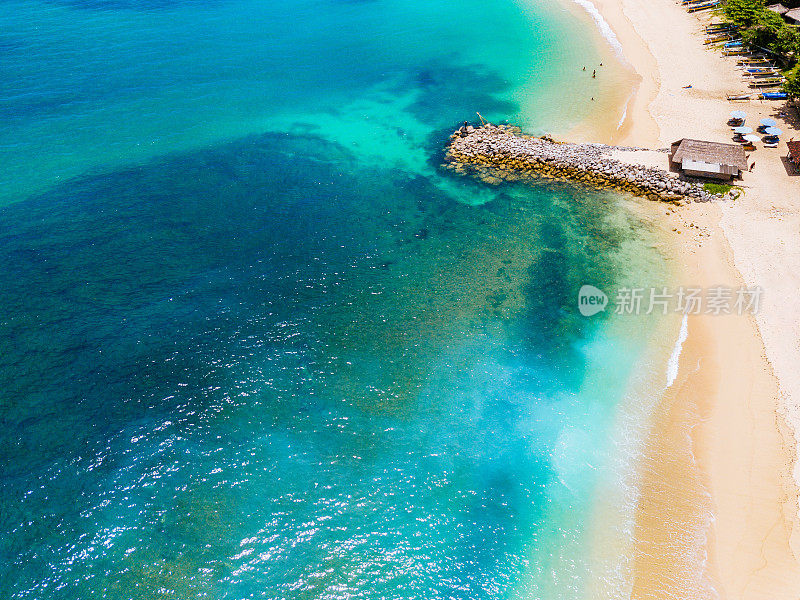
(674, 359)
(623, 117)
(624, 113)
(603, 26)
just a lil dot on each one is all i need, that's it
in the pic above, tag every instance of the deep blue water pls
(255, 344)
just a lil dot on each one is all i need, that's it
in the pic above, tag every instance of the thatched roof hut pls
(778, 8)
(792, 15)
(709, 159)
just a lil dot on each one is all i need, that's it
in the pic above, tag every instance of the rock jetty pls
(497, 153)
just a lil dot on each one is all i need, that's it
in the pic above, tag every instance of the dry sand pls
(718, 515)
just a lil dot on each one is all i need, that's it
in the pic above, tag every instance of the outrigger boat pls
(698, 7)
(761, 72)
(724, 37)
(756, 68)
(715, 27)
(773, 96)
(755, 58)
(757, 64)
(736, 51)
(767, 82)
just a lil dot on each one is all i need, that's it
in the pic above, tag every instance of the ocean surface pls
(255, 343)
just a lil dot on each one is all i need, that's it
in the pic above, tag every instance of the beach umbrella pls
(768, 122)
(743, 130)
(752, 138)
(738, 114)
(773, 131)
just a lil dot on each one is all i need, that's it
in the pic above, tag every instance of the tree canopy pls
(764, 28)
(792, 85)
(745, 13)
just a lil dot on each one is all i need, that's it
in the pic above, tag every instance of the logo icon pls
(591, 300)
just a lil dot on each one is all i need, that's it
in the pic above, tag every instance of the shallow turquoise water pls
(96, 84)
(256, 346)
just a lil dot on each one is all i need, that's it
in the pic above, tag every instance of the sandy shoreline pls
(718, 514)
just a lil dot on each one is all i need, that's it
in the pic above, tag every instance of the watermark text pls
(718, 300)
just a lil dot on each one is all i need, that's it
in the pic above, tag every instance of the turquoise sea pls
(254, 343)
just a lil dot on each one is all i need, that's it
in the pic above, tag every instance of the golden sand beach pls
(718, 512)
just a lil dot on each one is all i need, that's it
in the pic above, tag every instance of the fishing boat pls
(698, 7)
(756, 68)
(775, 81)
(754, 58)
(716, 39)
(773, 96)
(715, 27)
(740, 51)
(761, 72)
(733, 97)
(764, 75)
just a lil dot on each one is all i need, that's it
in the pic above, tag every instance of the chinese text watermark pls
(718, 300)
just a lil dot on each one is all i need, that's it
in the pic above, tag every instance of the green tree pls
(787, 41)
(769, 20)
(792, 85)
(764, 28)
(744, 13)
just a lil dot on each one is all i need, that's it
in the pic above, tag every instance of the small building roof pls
(794, 152)
(793, 15)
(778, 8)
(731, 155)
